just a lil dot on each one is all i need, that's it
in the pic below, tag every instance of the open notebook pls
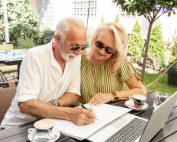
(131, 128)
(105, 114)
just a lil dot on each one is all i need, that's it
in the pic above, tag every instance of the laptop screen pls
(158, 118)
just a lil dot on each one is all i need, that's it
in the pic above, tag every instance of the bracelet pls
(115, 97)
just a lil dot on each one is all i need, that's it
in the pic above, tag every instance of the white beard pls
(67, 57)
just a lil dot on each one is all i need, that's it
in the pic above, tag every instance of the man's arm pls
(77, 115)
(42, 110)
(68, 99)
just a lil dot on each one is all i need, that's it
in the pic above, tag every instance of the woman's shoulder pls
(84, 60)
(124, 62)
(83, 57)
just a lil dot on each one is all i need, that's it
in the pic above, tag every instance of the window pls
(81, 7)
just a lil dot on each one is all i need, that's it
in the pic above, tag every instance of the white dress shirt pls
(41, 78)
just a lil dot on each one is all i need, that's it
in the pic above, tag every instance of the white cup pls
(39, 136)
(42, 131)
(138, 99)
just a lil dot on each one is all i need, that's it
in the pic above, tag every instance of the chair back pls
(6, 96)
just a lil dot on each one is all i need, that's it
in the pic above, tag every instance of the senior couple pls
(54, 77)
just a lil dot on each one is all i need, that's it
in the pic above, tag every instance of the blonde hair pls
(121, 43)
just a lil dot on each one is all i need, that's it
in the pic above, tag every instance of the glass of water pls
(159, 99)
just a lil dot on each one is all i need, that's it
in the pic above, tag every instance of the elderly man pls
(50, 79)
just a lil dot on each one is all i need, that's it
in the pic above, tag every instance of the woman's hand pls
(101, 98)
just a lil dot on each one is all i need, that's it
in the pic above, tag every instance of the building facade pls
(95, 12)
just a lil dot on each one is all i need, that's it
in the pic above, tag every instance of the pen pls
(83, 106)
(87, 109)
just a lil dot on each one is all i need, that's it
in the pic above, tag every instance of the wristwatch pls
(55, 102)
(115, 97)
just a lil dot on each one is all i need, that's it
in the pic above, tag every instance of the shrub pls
(173, 58)
(45, 36)
(25, 43)
(156, 48)
(116, 20)
(102, 19)
(136, 44)
(174, 49)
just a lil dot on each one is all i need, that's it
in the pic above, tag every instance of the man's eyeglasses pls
(101, 45)
(77, 47)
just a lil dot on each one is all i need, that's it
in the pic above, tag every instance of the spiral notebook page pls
(105, 114)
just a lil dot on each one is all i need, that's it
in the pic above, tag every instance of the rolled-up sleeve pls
(29, 84)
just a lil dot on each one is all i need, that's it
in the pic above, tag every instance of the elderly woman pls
(105, 68)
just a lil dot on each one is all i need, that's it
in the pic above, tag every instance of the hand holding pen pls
(87, 109)
(81, 116)
(84, 107)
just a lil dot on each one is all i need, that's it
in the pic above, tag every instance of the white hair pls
(65, 24)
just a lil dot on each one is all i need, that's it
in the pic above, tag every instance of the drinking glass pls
(157, 101)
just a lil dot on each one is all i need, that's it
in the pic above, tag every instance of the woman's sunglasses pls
(77, 47)
(101, 45)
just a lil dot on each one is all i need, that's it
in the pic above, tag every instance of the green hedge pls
(136, 43)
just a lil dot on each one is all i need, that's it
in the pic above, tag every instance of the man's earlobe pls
(57, 37)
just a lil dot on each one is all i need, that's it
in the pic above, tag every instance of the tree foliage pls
(147, 8)
(102, 19)
(135, 48)
(157, 48)
(23, 21)
(116, 20)
(174, 52)
(174, 48)
(45, 36)
(151, 10)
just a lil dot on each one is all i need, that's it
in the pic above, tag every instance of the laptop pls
(131, 128)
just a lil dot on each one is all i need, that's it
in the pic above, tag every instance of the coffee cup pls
(43, 124)
(138, 99)
(42, 131)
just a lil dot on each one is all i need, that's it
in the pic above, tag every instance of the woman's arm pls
(134, 84)
(135, 87)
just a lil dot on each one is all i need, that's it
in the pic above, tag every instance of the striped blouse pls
(98, 78)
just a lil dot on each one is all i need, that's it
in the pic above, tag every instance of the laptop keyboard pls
(146, 114)
(130, 132)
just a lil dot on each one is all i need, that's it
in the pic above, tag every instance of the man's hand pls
(101, 98)
(80, 116)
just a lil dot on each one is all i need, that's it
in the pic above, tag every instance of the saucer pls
(55, 133)
(130, 104)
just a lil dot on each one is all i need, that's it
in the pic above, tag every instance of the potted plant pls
(172, 72)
